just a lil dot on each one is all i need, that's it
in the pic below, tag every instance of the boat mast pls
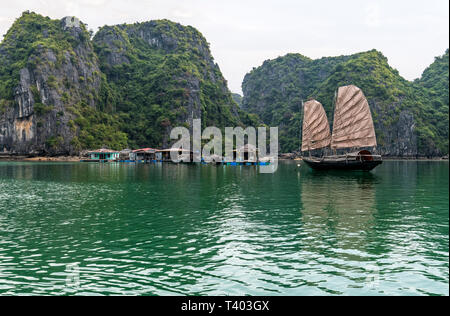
(302, 115)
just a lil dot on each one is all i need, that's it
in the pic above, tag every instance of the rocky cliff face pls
(395, 138)
(410, 119)
(52, 79)
(170, 72)
(61, 93)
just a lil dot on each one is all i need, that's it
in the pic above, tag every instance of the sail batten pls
(316, 130)
(353, 124)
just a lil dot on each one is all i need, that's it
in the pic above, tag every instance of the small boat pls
(352, 128)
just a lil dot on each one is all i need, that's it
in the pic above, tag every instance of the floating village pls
(352, 128)
(245, 156)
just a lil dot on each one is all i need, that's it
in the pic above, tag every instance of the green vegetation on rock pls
(237, 98)
(39, 60)
(163, 75)
(61, 92)
(411, 118)
(139, 82)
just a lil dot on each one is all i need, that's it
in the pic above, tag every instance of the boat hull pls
(355, 165)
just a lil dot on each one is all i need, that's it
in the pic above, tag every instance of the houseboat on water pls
(102, 155)
(124, 155)
(145, 155)
(183, 155)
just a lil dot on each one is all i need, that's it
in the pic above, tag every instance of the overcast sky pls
(244, 33)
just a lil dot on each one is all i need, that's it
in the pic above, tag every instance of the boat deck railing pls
(347, 157)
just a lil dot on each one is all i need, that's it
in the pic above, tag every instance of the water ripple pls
(89, 229)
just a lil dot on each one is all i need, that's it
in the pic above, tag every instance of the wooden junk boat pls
(352, 129)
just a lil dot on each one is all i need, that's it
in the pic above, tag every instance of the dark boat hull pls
(354, 165)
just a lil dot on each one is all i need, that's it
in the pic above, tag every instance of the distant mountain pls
(411, 118)
(61, 92)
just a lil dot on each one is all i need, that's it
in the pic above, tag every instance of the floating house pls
(102, 155)
(165, 154)
(124, 155)
(144, 155)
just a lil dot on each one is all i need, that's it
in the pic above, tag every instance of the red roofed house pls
(143, 154)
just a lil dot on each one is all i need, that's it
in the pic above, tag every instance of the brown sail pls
(353, 125)
(316, 130)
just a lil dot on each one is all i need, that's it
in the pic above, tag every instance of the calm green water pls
(74, 228)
